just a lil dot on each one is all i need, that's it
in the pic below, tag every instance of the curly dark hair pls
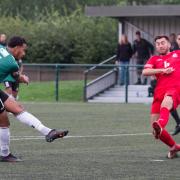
(16, 41)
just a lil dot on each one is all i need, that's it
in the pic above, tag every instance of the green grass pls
(86, 154)
(69, 91)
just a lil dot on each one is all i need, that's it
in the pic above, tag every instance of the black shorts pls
(13, 85)
(3, 98)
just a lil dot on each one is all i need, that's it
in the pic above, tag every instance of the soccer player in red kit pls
(166, 68)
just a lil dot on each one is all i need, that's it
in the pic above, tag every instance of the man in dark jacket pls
(143, 50)
(174, 44)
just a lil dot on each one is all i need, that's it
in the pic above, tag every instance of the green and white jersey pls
(8, 64)
(9, 78)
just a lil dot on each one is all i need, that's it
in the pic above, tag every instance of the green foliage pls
(64, 39)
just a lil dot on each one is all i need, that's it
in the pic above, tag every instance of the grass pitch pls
(106, 142)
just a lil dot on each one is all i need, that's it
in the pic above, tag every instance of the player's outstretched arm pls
(151, 71)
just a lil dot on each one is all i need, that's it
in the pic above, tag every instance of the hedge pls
(64, 39)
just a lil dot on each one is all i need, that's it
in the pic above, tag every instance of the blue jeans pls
(123, 76)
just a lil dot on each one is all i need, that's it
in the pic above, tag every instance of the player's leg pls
(166, 106)
(4, 133)
(161, 134)
(154, 117)
(160, 124)
(27, 118)
(155, 113)
(5, 154)
(176, 117)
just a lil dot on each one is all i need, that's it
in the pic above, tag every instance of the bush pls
(64, 39)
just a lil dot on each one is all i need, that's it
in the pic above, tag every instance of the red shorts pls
(159, 96)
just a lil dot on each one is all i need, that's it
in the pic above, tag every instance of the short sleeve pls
(150, 63)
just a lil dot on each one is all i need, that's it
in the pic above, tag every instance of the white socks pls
(32, 121)
(4, 141)
(25, 118)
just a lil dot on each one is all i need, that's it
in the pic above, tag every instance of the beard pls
(164, 52)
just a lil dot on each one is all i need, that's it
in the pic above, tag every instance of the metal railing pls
(58, 68)
(101, 83)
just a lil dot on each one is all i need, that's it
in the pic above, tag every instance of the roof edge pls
(132, 11)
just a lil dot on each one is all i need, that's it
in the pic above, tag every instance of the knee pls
(13, 106)
(167, 102)
(18, 109)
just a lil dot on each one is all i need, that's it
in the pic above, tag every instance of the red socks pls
(165, 137)
(164, 117)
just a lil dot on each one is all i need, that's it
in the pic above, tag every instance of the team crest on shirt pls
(174, 55)
(166, 64)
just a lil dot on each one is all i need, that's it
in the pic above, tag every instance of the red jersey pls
(166, 81)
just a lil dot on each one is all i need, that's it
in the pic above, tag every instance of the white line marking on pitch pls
(108, 135)
(16, 138)
(157, 160)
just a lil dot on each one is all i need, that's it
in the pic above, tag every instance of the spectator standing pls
(124, 54)
(3, 39)
(143, 51)
(174, 45)
(178, 40)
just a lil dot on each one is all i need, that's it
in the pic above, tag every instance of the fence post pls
(118, 73)
(85, 84)
(126, 83)
(117, 76)
(57, 83)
